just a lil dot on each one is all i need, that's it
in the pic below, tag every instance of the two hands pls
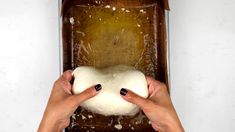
(62, 104)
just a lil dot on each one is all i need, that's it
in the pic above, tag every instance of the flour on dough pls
(109, 101)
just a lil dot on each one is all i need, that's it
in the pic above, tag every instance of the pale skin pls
(62, 104)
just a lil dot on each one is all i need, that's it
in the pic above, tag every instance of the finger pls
(67, 75)
(64, 81)
(154, 86)
(77, 99)
(151, 81)
(135, 99)
(62, 87)
(68, 89)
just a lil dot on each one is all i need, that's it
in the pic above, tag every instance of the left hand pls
(62, 104)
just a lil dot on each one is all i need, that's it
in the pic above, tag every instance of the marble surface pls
(202, 62)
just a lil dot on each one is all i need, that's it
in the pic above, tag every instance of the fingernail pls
(123, 92)
(98, 87)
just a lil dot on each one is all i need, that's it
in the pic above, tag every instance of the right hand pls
(158, 107)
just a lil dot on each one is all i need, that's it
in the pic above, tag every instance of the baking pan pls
(83, 120)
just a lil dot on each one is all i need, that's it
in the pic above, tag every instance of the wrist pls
(48, 125)
(174, 127)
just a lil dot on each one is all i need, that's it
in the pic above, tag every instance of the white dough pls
(109, 101)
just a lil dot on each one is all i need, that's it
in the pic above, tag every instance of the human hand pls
(158, 107)
(62, 104)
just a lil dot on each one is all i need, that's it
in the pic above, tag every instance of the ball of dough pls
(109, 101)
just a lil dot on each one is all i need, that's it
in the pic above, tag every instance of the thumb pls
(77, 99)
(135, 99)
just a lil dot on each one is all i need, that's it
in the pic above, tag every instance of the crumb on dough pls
(90, 116)
(132, 128)
(71, 20)
(118, 126)
(83, 117)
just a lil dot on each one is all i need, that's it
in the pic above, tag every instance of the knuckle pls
(90, 92)
(162, 86)
(131, 98)
(148, 102)
(66, 84)
(66, 74)
(143, 102)
(69, 99)
(149, 105)
(61, 83)
(165, 89)
(87, 93)
(57, 83)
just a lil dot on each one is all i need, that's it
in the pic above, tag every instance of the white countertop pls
(203, 63)
(202, 54)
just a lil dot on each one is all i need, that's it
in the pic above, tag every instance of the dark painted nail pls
(123, 92)
(98, 87)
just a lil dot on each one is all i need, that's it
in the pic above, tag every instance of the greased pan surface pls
(103, 35)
